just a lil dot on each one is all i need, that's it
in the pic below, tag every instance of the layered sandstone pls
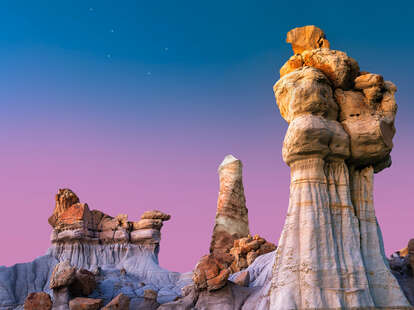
(341, 125)
(232, 248)
(95, 255)
(74, 221)
(232, 215)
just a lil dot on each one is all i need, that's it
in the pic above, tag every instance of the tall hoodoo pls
(341, 125)
(231, 217)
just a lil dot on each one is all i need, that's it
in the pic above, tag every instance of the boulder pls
(304, 91)
(294, 62)
(155, 214)
(147, 224)
(83, 303)
(306, 38)
(369, 125)
(210, 273)
(150, 294)
(38, 301)
(340, 69)
(368, 80)
(84, 283)
(63, 275)
(63, 200)
(246, 250)
(120, 302)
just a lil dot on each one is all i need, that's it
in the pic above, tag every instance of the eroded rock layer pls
(341, 124)
(231, 218)
(87, 244)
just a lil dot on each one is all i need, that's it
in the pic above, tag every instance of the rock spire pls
(231, 217)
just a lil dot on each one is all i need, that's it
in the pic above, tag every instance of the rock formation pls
(246, 250)
(232, 248)
(38, 301)
(341, 124)
(73, 221)
(82, 303)
(94, 255)
(330, 254)
(402, 267)
(231, 217)
(212, 271)
(120, 302)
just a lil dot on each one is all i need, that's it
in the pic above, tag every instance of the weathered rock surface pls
(231, 217)
(246, 250)
(77, 223)
(369, 122)
(230, 297)
(210, 273)
(242, 278)
(305, 91)
(232, 248)
(402, 268)
(83, 303)
(120, 302)
(122, 255)
(63, 275)
(38, 301)
(330, 254)
(294, 62)
(340, 69)
(84, 283)
(306, 38)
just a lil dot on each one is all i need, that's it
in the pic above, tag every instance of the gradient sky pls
(134, 104)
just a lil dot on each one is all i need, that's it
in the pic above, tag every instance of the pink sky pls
(177, 176)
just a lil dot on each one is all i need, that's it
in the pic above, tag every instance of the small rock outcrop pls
(246, 250)
(120, 302)
(84, 283)
(83, 303)
(401, 263)
(63, 275)
(38, 301)
(306, 38)
(211, 273)
(72, 220)
(68, 282)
